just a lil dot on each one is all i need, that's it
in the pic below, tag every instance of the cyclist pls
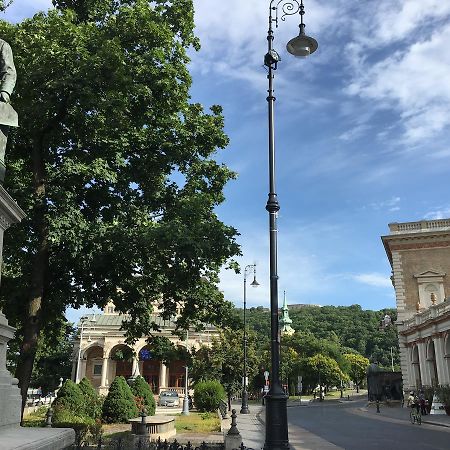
(414, 403)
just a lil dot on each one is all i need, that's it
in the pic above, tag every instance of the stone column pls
(440, 360)
(162, 376)
(424, 372)
(104, 372)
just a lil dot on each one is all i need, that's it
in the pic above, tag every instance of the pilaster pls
(399, 286)
(440, 361)
(426, 379)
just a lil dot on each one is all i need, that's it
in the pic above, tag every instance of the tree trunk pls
(32, 321)
(357, 388)
(229, 401)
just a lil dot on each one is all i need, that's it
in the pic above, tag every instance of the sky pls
(362, 137)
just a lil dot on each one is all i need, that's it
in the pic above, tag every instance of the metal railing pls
(143, 444)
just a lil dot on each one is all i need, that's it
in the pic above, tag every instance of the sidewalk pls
(252, 429)
(395, 411)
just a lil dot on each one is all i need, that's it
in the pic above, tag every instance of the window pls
(97, 371)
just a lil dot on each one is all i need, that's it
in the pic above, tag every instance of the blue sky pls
(362, 136)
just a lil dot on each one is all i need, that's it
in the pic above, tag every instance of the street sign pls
(266, 388)
(266, 375)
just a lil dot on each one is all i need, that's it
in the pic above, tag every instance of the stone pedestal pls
(12, 436)
(10, 398)
(437, 407)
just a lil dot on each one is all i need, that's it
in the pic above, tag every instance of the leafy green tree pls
(335, 330)
(320, 370)
(203, 365)
(4, 4)
(114, 168)
(288, 366)
(357, 368)
(53, 357)
(119, 404)
(140, 388)
(225, 361)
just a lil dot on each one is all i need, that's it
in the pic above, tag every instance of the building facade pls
(101, 354)
(419, 254)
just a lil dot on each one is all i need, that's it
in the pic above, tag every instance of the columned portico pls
(419, 254)
(105, 353)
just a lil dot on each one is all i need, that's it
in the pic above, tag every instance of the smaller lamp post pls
(185, 411)
(83, 321)
(254, 283)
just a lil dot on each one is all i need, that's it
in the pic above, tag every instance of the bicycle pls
(415, 416)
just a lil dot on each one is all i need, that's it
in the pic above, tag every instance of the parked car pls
(169, 398)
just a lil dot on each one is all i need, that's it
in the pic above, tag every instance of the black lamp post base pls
(276, 420)
(244, 407)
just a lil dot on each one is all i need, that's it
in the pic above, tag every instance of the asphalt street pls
(346, 426)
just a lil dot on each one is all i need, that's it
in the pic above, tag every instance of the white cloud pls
(373, 279)
(439, 213)
(392, 204)
(398, 19)
(233, 36)
(412, 80)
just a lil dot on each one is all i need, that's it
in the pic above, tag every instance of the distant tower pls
(285, 320)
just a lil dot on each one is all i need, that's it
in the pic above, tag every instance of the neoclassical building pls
(101, 354)
(419, 254)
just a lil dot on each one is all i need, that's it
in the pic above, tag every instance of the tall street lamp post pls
(254, 283)
(301, 46)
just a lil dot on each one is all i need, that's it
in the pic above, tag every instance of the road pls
(347, 427)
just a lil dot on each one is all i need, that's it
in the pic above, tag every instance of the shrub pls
(119, 404)
(443, 393)
(140, 388)
(87, 430)
(70, 397)
(93, 401)
(207, 395)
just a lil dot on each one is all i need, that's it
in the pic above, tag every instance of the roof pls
(115, 321)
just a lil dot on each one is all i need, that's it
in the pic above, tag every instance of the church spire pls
(285, 320)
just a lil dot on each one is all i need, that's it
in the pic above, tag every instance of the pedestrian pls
(423, 409)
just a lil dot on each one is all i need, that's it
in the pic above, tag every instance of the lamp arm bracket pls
(283, 8)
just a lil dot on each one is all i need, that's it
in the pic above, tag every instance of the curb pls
(428, 422)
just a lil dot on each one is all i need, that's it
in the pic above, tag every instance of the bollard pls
(233, 438)
(49, 417)
(143, 425)
(378, 406)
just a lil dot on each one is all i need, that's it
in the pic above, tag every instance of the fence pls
(142, 444)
